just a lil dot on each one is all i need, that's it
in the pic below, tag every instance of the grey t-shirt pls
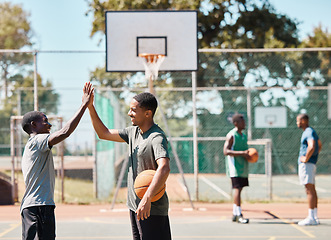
(144, 150)
(38, 172)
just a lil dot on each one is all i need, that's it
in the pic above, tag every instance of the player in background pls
(236, 151)
(37, 207)
(310, 146)
(148, 149)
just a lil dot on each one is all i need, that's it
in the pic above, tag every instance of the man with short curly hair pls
(148, 149)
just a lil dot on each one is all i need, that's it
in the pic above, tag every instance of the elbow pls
(167, 170)
(101, 136)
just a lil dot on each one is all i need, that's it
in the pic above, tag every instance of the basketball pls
(253, 155)
(142, 182)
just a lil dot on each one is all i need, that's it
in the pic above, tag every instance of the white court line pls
(214, 186)
(297, 183)
(13, 226)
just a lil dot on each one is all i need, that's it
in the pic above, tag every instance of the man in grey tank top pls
(147, 150)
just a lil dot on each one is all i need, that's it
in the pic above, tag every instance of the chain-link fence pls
(228, 82)
(285, 140)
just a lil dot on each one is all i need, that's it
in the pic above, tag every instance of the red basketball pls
(253, 155)
(142, 182)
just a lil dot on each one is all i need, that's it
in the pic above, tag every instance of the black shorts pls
(239, 182)
(38, 222)
(152, 228)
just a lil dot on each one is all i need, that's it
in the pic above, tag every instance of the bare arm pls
(102, 131)
(319, 146)
(159, 179)
(228, 151)
(310, 150)
(71, 125)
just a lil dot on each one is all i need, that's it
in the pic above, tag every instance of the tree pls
(15, 33)
(318, 61)
(222, 24)
(236, 24)
(23, 86)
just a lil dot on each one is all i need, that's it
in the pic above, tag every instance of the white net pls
(152, 63)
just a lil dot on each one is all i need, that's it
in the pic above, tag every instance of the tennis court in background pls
(217, 188)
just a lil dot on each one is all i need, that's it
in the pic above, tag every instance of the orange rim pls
(150, 57)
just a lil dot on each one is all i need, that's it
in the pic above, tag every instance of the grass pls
(76, 191)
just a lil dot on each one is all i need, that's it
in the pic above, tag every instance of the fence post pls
(195, 136)
(35, 82)
(249, 114)
(12, 153)
(268, 166)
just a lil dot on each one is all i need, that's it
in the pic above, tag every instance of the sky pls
(63, 25)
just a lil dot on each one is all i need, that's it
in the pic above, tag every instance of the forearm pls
(74, 121)
(319, 145)
(310, 151)
(69, 127)
(235, 153)
(159, 180)
(102, 131)
(98, 125)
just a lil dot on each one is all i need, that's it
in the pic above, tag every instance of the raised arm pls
(102, 131)
(71, 125)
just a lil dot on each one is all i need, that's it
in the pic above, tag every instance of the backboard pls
(270, 117)
(170, 33)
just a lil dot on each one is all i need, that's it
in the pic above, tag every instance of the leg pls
(237, 184)
(156, 227)
(307, 178)
(136, 229)
(236, 196)
(29, 223)
(46, 226)
(311, 195)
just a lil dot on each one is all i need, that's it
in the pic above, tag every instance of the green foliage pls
(221, 24)
(320, 61)
(16, 33)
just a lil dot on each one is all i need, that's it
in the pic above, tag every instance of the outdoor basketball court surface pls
(208, 221)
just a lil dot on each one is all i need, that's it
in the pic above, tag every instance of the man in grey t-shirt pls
(37, 207)
(147, 150)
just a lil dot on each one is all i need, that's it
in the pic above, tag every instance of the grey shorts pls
(307, 172)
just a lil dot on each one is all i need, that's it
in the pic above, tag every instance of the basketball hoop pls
(152, 63)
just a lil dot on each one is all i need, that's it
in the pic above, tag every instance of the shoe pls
(317, 221)
(240, 219)
(307, 221)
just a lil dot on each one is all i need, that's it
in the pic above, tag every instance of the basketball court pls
(208, 221)
(154, 41)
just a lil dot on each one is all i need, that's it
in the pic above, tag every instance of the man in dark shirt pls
(147, 150)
